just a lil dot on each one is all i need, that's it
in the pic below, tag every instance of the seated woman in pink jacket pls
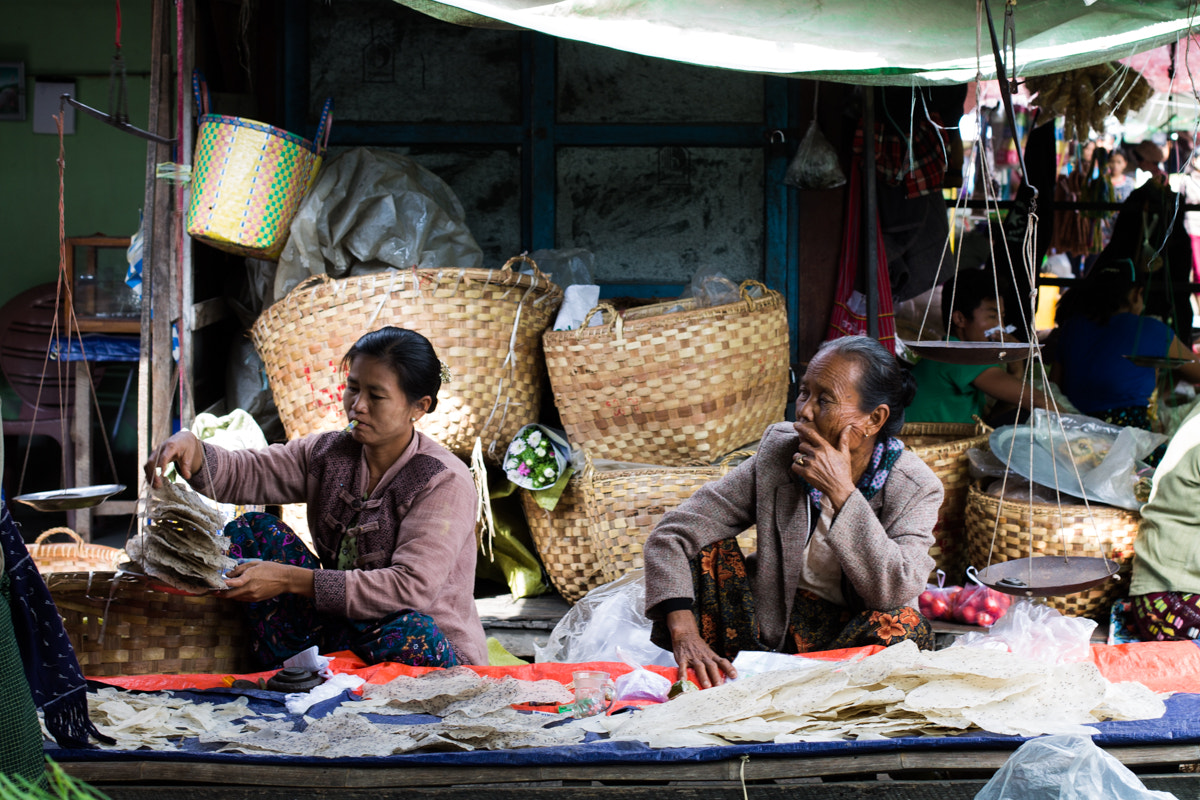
(392, 516)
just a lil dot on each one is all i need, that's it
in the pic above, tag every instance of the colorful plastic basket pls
(248, 179)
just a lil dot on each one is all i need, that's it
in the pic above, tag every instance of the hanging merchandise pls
(815, 165)
(248, 179)
(850, 305)
(1086, 97)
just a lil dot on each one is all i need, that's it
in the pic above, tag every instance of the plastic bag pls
(578, 300)
(1065, 767)
(641, 683)
(1081, 456)
(1036, 632)
(937, 601)
(370, 210)
(566, 268)
(1019, 490)
(710, 287)
(984, 464)
(977, 604)
(815, 165)
(608, 617)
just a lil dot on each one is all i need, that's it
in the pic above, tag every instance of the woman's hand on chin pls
(261, 580)
(827, 468)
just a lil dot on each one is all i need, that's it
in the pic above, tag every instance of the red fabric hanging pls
(850, 306)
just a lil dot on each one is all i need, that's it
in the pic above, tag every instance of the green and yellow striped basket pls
(248, 179)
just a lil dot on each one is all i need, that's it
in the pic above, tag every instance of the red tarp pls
(1162, 666)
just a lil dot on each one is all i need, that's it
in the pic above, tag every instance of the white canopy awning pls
(897, 42)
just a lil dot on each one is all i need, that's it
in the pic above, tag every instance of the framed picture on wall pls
(12, 90)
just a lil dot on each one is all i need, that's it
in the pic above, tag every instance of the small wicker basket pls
(623, 506)
(119, 625)
(486, 326)
(76, 556)
(564, 542)
(1024, 529)
(943, 447)
(683, 385)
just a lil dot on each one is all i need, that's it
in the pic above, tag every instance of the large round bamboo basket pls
(485, 325)
(118, 625)
(672, 386)
(943, 447)
(1023, 529)
(623, 506)
(564, 542)
(74, 556)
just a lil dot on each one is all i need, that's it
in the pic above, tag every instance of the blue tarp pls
(1180, 725)
(97, 347)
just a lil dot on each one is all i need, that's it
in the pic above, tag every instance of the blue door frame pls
(539, 135)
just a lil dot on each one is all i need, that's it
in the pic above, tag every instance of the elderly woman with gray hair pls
(845, 519)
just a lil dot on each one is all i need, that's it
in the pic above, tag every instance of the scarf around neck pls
(883, 458)
(51, 669)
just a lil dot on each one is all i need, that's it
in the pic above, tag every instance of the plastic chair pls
(25, 328)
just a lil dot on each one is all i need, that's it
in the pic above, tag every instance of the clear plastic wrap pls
(1036, 632)
(1065, 767)
(605, 619)
(1080, 455)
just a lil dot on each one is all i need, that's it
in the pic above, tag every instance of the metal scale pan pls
(976, 353)
(1047, 576)
(70, 499)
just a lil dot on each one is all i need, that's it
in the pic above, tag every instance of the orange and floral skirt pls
(724, 609)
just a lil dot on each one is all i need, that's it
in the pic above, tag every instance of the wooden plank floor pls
(924, 765)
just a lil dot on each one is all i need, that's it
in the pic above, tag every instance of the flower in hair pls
(446, 374)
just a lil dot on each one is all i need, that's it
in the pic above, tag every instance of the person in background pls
(845, 518)
(960, 392)
(1100, 324)
(1122, 183)
(1165, 587)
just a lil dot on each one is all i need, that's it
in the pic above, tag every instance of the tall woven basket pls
(623, 506)
(943, 447)
(679, 387)
(564, 541)
(486, 325)
(120, 626)
(248, 179)
(1023, 529)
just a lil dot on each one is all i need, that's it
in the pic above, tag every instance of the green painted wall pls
(105, 168)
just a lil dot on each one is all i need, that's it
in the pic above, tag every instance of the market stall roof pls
(852, 41)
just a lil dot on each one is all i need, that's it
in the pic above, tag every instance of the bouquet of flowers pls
(536, 458)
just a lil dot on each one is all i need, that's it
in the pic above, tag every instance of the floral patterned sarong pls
(724, 608)
(290, 623)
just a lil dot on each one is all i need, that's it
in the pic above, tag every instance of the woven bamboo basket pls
(118, 625)
(486, 326)
(623, 506)
(685, 386)
(943, 447)
(564, 542)
(74, 556)
(1044, 529)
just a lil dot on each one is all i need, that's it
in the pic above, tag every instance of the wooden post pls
(154, 364)
(870, 213)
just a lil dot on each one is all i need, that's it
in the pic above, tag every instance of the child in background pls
(960, 392)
